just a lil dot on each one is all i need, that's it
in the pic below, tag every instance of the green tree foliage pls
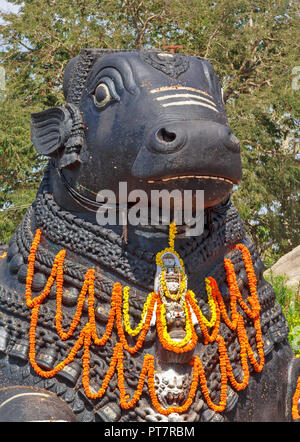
(288, 298)
(253, 47)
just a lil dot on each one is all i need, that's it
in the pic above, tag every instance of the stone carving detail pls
(171, 387)
(170, 64)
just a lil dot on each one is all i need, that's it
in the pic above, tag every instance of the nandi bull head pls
(153, 119)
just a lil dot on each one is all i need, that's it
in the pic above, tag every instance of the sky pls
(7, 7)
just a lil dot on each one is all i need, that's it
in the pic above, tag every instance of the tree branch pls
(215, 33)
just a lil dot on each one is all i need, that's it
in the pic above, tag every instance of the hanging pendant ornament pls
(170, 279)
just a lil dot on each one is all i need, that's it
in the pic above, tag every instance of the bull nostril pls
(167, 139)
(165, 136)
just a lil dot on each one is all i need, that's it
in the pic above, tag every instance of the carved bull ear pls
(50, 129)
(58, 132)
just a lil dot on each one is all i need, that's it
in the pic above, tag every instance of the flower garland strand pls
(120, 317)
(295, 402)
(172, 234)
(211, 303)
(126, 320)
(166, 290)
(187, 343)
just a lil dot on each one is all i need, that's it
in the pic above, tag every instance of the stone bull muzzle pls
(189, 149)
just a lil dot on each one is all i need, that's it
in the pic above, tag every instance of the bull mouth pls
(199, 177)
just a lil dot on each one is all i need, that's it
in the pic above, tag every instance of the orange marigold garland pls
(223, 370)
(295, 402)
(178, 347)
(210, 330)
(253, 312)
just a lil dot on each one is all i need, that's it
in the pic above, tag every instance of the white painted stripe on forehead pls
(163, 54)
(167, 97)
(189, 103)
(172, 88)
(216, 178)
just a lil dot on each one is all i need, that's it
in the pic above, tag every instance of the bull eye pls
(102, 95)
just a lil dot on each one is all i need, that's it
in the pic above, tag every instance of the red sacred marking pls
(172, 47)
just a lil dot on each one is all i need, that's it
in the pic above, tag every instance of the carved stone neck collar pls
(134, 262)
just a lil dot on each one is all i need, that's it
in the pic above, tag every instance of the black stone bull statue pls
(153, 120)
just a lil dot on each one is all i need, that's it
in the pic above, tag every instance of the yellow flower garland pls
(188, 328)
(165, 288)
(162, 312)
(172, 234)
(211, 304)
(126, 320)
(163, 252)
(159, 262)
